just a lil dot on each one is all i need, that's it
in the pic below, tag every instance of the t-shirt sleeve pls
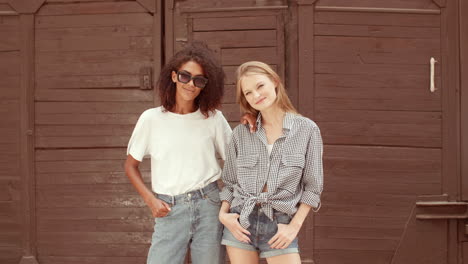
(138, 146)
(223, 135)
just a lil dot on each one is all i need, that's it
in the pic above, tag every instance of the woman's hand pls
(158, 207)
(251, 120)
(230, 221)
(285, 235)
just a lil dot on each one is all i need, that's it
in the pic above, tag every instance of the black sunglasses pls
(186, 77)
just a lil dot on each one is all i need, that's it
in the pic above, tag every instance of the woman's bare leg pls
(241, 256)
(292, 258)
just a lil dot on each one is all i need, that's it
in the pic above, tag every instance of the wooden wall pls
(381, 125)
(360, 70)
(88, 58)
(10, 221)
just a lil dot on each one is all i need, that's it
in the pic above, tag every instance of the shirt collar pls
(288, 120)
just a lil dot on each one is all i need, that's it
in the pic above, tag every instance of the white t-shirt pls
(182, 148)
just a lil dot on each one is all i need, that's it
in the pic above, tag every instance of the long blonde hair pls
(257, 67)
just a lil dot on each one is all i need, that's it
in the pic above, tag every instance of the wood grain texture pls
(94, 7)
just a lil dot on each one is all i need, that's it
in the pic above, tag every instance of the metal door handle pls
(432, 88)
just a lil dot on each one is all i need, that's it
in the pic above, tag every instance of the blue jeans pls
(192, 222)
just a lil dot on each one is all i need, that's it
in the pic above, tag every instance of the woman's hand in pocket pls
(158, 207)
(285, 235)
(231, 222)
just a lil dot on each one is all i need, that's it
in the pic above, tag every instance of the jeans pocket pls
(213, 197)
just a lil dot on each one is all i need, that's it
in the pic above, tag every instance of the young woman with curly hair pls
(184, 138)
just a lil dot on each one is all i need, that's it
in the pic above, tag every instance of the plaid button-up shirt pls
(293, 172)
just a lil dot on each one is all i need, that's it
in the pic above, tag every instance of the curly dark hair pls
(210, 96)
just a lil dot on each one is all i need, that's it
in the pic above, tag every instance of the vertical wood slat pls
(306, 60)
(306, 92)
(464, 97)
(157, 49)
(291, 71)
(28, 202)
(451, 116)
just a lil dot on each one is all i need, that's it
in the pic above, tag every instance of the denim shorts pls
(262, 229)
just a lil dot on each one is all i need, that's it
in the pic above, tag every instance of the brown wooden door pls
(385, 133)
(88, 99)
(10, 173)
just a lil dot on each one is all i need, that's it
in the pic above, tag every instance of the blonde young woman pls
(272, 177)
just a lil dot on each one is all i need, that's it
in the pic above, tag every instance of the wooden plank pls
(357, 244)
(336, 184)
(80, 154)
(357, 56)
(379, 45)
(359, 221)
(82, 141)
(91, 8)
(389, 19)
(10, 63)
(110, 177)
(118, 67)
(230, 39)
(9, 87)
(28, 198)
(94, 213)
(94, 43)
(86, 119)
(91, 107)
(97, 225)
(9, 189)
(93, 20)
(376, 31)
(364, 210)
(231, 73)
(464, 105)
(97, 237)
(82, 166)
(231, 112)
(73, 57)
(88, 81)
(10, 239)
(339, 256)
(238, 56)
(382, 153)
(74, 199)
(384, 81)
(333, 134)
(75, 248)
(378, 104)
(306, 62)
(234, 23)
(386, 117)
(10, 255)
(95, 95)
(399, 94)
(84, 130)
(423, 4)
(229, 94)
(358, 233)
(110, 31)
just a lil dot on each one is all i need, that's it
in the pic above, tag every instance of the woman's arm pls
(158, 207)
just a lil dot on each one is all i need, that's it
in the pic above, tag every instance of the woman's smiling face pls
(258, 90)
(187, 91)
